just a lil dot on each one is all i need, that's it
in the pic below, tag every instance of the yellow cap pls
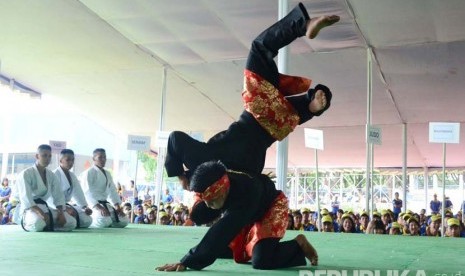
(406, 217)
(162, 214)
(177, 209)
(453, 221)
(435, 217)
(326, 219)
(376, 214)
(396, 225)
(385, 212)
(324, 212)
(305, 210)
(412, 219)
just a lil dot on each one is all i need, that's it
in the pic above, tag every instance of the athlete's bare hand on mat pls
(172, 267)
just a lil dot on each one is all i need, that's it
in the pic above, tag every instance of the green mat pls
(138, 249)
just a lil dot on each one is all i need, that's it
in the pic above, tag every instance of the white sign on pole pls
(162, 139)
(374, 135)
(141, 143)
(444, 132)
(314, 138)
(57, 146)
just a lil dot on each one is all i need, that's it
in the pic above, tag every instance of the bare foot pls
(308, 249)
(318, 103)
(316, 24)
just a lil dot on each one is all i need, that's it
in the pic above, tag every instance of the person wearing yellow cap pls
(327, 222)
(177, 217)
(306, 219)
(454, 228)
(164, 218)
(386, 219)
(252, 220)
(412, 227)
(151, 216)
(396, 229)
(433, 228)
(364, 220)
(348, 224)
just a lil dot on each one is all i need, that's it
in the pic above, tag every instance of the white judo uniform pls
(31, 188)
(98, 187)
(73, 191)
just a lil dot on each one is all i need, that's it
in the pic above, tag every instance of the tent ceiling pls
(107, 58)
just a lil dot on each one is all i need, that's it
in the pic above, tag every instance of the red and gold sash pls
(272, 225)
(268, 105)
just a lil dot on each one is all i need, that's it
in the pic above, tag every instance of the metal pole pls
(317, 191)
(161, 151)
(135, 185)
(282, 147)
(368, 125)
(371, 177)
(426, 180)
(443, 188)
(404, 163)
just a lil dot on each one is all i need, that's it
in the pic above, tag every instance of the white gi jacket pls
(30, 186)
(71, 190)
(98, 186)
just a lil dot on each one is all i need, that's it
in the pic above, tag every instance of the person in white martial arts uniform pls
(72, 190)
(42, 202)
(100, 192)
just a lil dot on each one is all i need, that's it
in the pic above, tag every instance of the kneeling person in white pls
(100, 192)
(39, 190)
(72, 190)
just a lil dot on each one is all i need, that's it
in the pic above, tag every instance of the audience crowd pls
(388, 222)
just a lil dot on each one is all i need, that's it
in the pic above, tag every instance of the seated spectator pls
(364, 220)
(433, 228)
(5, 191)
(164, 218)
(305, 217)
(327, 223)
(413, 227)
(298, 221)
(139, 214)
(186, 217)
(379, 227)
(386, 219)
(453, 228)
(290, 222)
(151, 216)
(396, 229)
(177, 217)
(348, 224)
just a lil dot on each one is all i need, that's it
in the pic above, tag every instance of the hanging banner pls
(141, 143)
(448, 133)
(314, 138)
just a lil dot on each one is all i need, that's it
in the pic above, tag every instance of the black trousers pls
(270, 253)
(244, 144)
